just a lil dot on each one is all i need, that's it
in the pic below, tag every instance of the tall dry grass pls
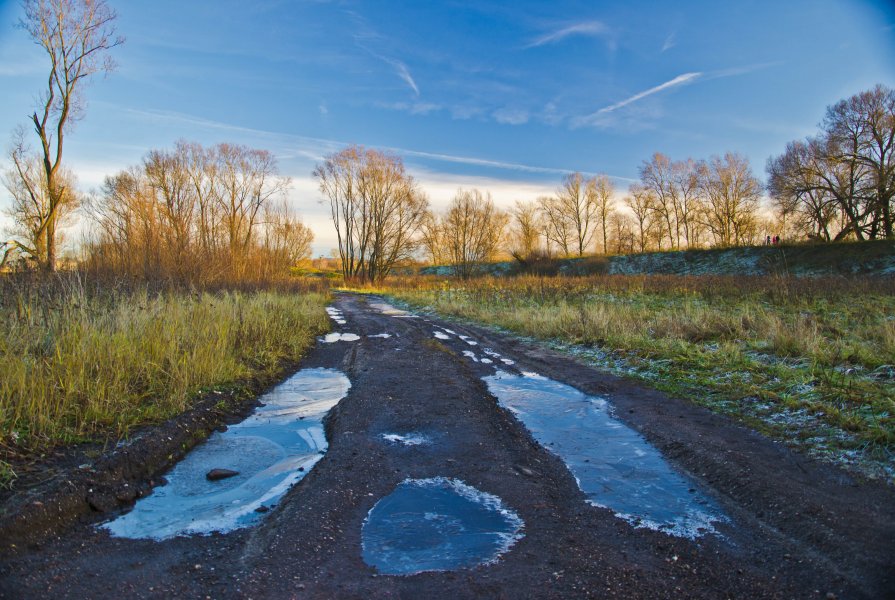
(79, 360)
(823, 346)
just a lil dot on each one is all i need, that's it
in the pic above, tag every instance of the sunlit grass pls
(801, 359)
(75, 367)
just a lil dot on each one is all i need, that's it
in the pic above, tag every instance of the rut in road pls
(420, 410)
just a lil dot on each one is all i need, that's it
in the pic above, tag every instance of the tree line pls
(197, 214)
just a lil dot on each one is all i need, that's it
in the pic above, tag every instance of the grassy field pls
(808, 361)
(78, 365)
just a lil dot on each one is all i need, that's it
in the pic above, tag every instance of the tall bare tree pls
(527, 231)
(27, 184)
(473, 230)
(733, 194)
(77, 36)
(601, 189)
(641, 200)
(376, 207)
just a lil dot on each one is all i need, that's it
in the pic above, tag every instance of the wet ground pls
(565, 483)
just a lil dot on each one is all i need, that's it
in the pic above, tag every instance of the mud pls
(796, 528)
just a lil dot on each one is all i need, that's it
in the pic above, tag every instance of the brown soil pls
(797, 528)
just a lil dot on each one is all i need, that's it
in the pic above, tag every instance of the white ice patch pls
(331, 338)
(469, 341)
(410, 439)
(271, 451)
(442, 336)
(471, 354)
(487, 361)
(387, 309)
(384, 336)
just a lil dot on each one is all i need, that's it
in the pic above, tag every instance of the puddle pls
(468, 340)
(614, 466)
(470, 354)
(331, 338)
(410, 439)
(442, 336)
(335, 314)
(272, 449)
(498, 356)
(384, 336)
(387, 309)
(437, 524)
(487, 361)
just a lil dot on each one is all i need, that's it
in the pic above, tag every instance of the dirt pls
(797, 528)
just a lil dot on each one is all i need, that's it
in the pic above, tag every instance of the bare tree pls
(527, 230)
(376, 209)
(431, 239)
(27, 184)
(287, 241)
(473, 231)
(733, 195)
(641, 200)
(197, 215)
(77, 36)
(656, 175)
(601, 189)
(557, 228)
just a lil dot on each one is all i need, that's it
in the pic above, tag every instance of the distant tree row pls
(197, 214)
(841, 182)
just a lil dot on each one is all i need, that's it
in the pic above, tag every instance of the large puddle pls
(437, 524)
(271, 450)
(614, 465)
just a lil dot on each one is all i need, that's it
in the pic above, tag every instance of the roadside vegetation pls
(82, 363)
(808, 361)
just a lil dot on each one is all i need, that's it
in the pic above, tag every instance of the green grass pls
(806, 361)
(78, 366)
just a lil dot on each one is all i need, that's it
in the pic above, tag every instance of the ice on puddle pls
(271, 450)
(613, 464)
(437, 524)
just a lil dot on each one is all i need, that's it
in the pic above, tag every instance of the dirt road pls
(794, 528)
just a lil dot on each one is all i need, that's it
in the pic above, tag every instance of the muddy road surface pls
(461, 463)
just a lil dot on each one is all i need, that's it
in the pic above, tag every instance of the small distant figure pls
(767, 241)
(776, 240)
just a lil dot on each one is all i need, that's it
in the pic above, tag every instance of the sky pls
(503, 96)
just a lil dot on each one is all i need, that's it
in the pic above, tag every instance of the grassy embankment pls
(79, 365)
(808, 361)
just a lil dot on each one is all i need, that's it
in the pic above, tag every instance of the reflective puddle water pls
(335, 314)
(331, 338)
(271, 450)
(614, 465)
(437, 524)
(387, 309)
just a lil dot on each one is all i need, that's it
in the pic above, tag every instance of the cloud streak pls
(685, 79)
(320, 146)
(585, 28)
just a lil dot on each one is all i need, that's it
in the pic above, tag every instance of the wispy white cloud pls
(584, 28)
(414, 108)
(510, 116)
(317, 148)
(670, 41)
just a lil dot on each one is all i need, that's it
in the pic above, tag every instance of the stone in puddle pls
(218, 474)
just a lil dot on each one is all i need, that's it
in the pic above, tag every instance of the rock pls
(262, 509)
(218, 474)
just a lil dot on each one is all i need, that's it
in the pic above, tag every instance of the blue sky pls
(505, 96)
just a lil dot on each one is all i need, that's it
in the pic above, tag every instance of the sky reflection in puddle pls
(272, 449)
(437, 524)
(614, 465)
